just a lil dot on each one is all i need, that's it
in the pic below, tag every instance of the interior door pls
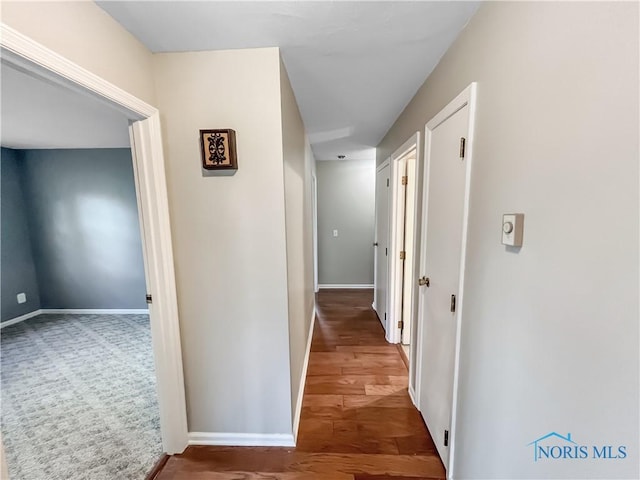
(382, 244)
(441, 254)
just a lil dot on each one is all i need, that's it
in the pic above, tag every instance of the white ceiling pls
(39, 114)
(353, 66)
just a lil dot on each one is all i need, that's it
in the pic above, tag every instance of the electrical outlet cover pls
(512, 227)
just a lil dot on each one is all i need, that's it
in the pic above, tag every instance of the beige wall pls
(85, 34)
(297, 190)
(550, 333)
(229, 239)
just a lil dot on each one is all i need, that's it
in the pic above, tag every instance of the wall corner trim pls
(21, 318)
(242, 439)
(345, 285)
(303, 379)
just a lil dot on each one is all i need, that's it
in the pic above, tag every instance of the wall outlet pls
(22, 297)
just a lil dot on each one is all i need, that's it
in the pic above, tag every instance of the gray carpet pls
(78, 398)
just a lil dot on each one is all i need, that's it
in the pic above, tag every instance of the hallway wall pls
(229, 238)
(550, 331)
(346, 202)
(298, 165)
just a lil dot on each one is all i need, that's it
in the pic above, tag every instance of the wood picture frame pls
(218, 149)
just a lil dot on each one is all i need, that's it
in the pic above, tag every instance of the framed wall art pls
(218, 148)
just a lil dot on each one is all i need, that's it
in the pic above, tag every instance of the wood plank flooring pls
(357, 422)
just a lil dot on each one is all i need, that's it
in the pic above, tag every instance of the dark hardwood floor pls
(357, 422)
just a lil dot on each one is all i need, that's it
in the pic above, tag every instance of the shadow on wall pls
(79, 244)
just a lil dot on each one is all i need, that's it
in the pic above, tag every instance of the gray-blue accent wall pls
(17, 269)
(82, 218)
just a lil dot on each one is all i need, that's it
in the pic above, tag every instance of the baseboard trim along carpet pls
(97, 311)
(242, 439)
(303, 378)
(345, 285)
(21, 318)
(75, 311)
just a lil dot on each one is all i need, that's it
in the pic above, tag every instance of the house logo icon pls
(561, 446)
(554, 446)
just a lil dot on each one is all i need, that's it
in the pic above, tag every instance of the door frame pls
(468, 98)
(314, 226)
(384, 164)
(396, 236)
(29, 56)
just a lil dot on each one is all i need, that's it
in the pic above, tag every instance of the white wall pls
(229, 239)
(550, 332)
(297, 190)
(85, 34)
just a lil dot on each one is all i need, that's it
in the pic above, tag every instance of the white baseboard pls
(346, 285)
(303, 378)
(96, 311)
(21, 318)
(412, 395)
(74, 311)
(242, 439)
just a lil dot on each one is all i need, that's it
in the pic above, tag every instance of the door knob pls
(375, 244)
(424, 281)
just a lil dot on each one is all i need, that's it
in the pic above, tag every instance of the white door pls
(409, 248)
(382, 244)
(441, 252)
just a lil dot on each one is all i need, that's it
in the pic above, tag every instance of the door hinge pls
(385, 316)
(403, 255)
(453, 303)
(387, 182)
(385, 252)
(463, 141)
(446, 438)
(400, 324)
(405, 180)
(149, 298)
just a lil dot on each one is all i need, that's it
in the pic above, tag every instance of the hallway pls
(357, 421)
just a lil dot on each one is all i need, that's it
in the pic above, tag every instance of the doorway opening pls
(76, 340)
(395, 241)
(26, 55)
(404, 198)
(381, 243)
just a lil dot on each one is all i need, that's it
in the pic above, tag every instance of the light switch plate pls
(512, 229)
